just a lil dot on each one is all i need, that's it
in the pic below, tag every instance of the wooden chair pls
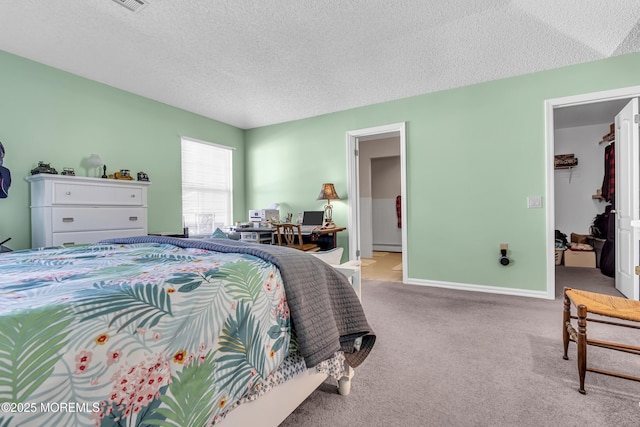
(290, 235)
(602, 305)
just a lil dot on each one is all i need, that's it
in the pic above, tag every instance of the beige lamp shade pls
(328, 193)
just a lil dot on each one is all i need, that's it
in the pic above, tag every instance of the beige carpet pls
(458, 359)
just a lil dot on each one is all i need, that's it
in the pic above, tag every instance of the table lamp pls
(328, 193)
(94, 161)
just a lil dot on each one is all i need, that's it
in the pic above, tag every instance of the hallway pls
(383, 266)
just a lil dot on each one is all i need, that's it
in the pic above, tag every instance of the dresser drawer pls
(80, 237)
(65, 193)
(105, 218)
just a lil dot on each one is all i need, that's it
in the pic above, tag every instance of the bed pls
(165, 331)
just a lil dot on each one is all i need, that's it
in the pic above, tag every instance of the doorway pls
(585, 117)
(381, 147)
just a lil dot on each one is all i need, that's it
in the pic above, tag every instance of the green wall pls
(474, 154)
(50, 115)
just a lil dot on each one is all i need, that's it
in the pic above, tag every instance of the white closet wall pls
(574, 207)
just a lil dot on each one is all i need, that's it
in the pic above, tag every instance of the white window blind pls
(206, 186)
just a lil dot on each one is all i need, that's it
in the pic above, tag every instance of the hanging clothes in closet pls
(608, 257)
(609, 181)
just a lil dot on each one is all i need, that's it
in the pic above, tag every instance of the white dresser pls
(73, 210)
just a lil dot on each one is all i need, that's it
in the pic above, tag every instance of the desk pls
(256, 234)
(316, 234)
(265, 235)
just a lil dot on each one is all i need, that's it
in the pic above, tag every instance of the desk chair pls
(290, 235)
(602, 305)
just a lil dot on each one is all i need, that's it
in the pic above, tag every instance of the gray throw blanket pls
(325, 311)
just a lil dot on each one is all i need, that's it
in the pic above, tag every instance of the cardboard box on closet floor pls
(579, 258)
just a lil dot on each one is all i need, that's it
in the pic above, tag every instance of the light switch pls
(534, 202)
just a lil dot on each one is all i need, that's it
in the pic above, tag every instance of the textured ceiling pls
(252, 63)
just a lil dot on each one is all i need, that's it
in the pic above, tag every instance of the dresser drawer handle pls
(133, 218)
(68, 193)
(67, 219)
(133, 195)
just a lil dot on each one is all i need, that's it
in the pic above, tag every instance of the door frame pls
(354, 187)
(549, 106)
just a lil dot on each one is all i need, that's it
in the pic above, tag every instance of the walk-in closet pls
(584, 180)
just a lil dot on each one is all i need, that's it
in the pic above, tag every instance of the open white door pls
(354, 197)
(627, 200)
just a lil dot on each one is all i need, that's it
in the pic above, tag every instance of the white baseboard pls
(387, 247)
(479, 288)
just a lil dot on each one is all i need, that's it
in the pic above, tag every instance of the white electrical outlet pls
(534, 202)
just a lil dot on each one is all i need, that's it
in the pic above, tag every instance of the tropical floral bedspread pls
(135, 335)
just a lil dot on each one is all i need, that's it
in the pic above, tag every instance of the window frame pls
(198, 223)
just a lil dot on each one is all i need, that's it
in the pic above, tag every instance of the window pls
(207, 200)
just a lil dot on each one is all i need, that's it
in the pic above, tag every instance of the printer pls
(264, 215)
